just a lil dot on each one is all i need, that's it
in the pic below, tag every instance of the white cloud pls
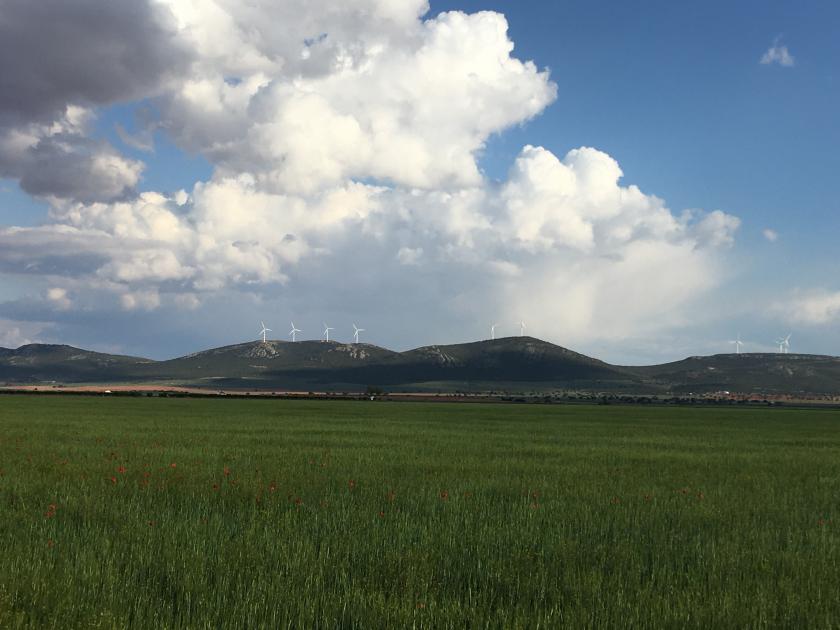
(59, 298)
(770, 235)
(778, 54)
(345, 140)
(717, 229)
(413, 112)
(14, 334)
(140, 300)
(814, 308)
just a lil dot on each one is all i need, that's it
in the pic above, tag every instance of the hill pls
(508, 364)
(35, 363)
(749, 372)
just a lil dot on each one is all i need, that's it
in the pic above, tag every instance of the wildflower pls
(121, 470)
(381, 514)
(173, 465)
(701, 496)
(444, 495)
(226, 471)
(113, 480)
(352, 485)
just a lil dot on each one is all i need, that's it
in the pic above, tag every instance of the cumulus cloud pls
(812, 308)
(143, 300)
(86, 53)
(778, 54)
(14, 334)
(346, 140)
(59, 298)
(770, 235)
(58, 61)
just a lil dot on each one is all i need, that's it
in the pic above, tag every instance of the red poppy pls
(173, 465)
(121, 470)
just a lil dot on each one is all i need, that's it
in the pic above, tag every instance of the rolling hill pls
(508, 364)
(64, 364)
(749, 372)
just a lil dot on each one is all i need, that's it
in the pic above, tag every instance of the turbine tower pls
(264, 330)
(522, 329)
(356, 331)
(738, 343)
(327, 330)
(784, 344)
(493, 331)
(293, 332)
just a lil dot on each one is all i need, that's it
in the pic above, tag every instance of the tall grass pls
(231, 513)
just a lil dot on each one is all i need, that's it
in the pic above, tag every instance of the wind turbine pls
(738, 343)
(293, 332)
(264, 330)
(327, 330)
(522, 329)
(493, 331)
(784, 344)
(356, 331)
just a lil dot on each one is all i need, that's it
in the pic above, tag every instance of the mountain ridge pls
(501, 364)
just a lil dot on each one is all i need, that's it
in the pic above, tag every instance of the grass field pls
(236, 513)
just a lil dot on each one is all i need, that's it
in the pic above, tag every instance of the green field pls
(262, 513)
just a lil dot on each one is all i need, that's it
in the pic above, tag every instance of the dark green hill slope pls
(511, 360)
(749, 373)
(512, 363)
(269, 364)
(40, 362)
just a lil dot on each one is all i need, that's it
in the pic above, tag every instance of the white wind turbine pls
(493, 331)
(356, 331)
(522, 328)
(293, 332)
(327, 330)
(264, 330)
(784, 344)
(738, 343)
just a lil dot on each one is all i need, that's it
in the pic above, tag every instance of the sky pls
(638, 182)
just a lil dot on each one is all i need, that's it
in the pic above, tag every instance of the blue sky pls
(672, 91)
